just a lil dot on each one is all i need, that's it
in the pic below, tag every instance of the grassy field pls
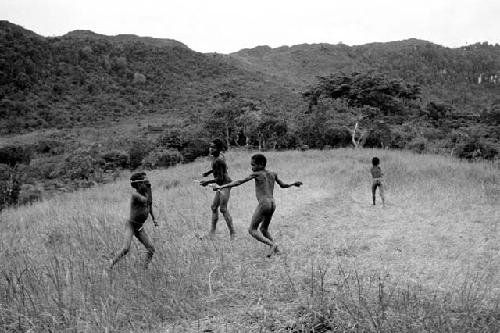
(429, 261)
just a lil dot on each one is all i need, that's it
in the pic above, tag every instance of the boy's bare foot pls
(274, 250)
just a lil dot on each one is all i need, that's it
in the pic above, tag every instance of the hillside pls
(466, 77)
(83, 79)
(428, 261)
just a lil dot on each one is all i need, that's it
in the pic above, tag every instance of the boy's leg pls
(374, 189)
(129, 232)
(264, 226)
(224, 198)
(264, 229)
(381, 192)
(142, 236)
(215, 212)
(253, 230)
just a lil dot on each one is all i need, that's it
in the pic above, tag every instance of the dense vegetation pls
(154, 102)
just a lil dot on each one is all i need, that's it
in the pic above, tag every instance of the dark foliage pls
(13, 155)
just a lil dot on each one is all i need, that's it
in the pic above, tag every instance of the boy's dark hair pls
(219, 145)
(375, 161)
(260, 159)
(136, 178)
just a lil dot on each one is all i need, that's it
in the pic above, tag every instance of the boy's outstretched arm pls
(235, 183)
(284, 185)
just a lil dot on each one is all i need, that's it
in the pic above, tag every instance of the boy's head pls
(138, 180)
(375, 161)
(259, 162)
(216, 146)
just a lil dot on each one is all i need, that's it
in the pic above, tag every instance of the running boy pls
(264, 188)
(221, 177)
(141, 205)
(378, 177)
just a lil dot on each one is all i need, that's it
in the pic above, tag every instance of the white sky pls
(226, 26)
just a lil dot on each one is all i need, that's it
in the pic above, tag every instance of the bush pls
(82, 164)
(13, 155)
(476, 149)
(162, 158)
(115, 159)
(337, 137)
(195, 148)
(9, 186)
(52, 147)
(378, 136)
(138, 150)
(401, 137)
(30, 193)
(418, 145)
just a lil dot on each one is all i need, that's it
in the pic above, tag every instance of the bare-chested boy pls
(221, 177)
(377, 180)
(141, 205)
(264, 188)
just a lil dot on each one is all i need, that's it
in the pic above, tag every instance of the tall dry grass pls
(428, 261)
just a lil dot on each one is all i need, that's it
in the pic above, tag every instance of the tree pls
(368, 96)
(222, 116)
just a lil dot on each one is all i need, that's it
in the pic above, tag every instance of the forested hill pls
(84, 78)
(467, 77)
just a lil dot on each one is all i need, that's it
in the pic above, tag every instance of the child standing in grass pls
(377, 179)
(221, 177)
(264, 188)
(141, 205)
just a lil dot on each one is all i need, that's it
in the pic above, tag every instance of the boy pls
(378, 177)
(141, 205)
(221, 177)
(264, 188)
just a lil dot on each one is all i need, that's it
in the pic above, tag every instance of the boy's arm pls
(205, 174)
(284, 185)
(236, 182)
(138, 197)
(149, 198)
(151, 213)
(206, 182)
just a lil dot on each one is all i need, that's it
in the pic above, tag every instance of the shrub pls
(9, 186)
(476, 149)
(417, 145)
(400, 138)
(115, 159)
(337, 137)
(378, 136)
(162, 158)
(52, 147)
(195, 148)
(82, 164)
(139, 149)
(30, 193)
(13, 155)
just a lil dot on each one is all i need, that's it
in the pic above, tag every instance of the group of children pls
(141, 201)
